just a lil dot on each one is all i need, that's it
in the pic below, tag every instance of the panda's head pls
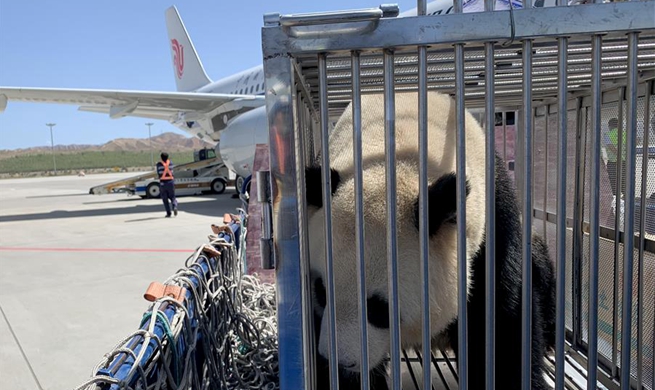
(442, 225)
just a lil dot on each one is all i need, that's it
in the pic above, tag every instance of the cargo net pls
(209, 327)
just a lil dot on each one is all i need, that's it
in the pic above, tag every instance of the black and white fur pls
(442, 246)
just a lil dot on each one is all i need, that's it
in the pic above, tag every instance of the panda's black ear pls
(314, 186)
(442, 202)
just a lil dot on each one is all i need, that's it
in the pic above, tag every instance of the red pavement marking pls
(23, 249)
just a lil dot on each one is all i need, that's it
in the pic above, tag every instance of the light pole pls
(152, 161)
(52, 145)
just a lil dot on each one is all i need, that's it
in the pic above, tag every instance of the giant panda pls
(442, 247)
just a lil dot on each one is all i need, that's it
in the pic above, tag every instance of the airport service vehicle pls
(206, 174)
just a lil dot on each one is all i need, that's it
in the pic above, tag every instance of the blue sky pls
(121, 44)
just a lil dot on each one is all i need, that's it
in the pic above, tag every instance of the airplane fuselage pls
(247, 82)
(239, 134)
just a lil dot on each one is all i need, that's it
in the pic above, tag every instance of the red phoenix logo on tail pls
(178, 58)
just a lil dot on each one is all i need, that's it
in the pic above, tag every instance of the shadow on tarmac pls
(55, 195)
(208, 205)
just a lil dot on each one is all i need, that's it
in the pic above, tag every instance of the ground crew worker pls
(167, 184)
(612, 147)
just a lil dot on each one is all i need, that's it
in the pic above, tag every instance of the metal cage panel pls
(561, 73)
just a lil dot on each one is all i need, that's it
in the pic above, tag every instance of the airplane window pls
(251, 88)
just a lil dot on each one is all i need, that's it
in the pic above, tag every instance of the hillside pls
(170, 142)
(90, 162)
(121, 154)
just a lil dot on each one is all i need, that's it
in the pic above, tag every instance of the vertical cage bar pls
(489, 5)
(617, 236)
(423, 204)
(504, 114)
(287, 205)
(631, 127)
(421, 7)
(458, 6)
(578, 221)
(460, 168)
(545, 203)
(490, 207)
(518, 151)
(327, 207)
(392, 249)
(519, 158)
(642, 241)
(594, 221)
(359, 217)
(560, 320)
(490, 175)
(532, 164)
(309, 350)
(526, 322)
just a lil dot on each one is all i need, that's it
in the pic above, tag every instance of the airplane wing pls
(146, 104)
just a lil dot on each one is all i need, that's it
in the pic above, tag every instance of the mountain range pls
(170, 142)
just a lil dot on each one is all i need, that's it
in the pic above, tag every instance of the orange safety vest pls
(167, 175)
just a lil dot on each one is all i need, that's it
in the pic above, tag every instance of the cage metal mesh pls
(508, 92)
(545, 167)
(508, 77)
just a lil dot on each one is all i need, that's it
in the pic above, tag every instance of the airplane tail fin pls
(189, 72)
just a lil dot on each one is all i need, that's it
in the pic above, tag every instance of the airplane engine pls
(239, 139)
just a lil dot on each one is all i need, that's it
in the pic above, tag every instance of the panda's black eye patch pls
(378, 311)
(314, 185)
(319, 291)
(442, 202)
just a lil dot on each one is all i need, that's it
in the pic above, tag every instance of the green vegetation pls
(86, 160)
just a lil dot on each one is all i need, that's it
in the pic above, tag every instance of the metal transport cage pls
(563, 74)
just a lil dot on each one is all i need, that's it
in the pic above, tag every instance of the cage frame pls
(296, 49)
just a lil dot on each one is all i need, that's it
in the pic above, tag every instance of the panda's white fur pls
(442, 245)
(443, 255)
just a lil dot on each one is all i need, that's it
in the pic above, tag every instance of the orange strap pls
(157, 290)
(211, 251)
(167, 175)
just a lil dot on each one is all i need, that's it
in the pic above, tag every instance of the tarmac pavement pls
(74, 267)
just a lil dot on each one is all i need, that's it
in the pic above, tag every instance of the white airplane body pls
(230, 112)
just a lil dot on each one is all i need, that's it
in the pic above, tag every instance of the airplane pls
(229, 113)
(201, 107)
